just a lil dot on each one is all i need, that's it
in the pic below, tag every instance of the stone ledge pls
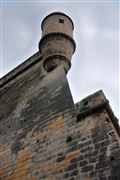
(94, 103)
(90, 102)
(35, 58)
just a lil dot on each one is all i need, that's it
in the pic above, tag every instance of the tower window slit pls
(61, 21)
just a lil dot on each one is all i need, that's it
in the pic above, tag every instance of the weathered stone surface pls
(45, 136)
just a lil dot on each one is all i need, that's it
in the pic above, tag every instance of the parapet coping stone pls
(94, 103)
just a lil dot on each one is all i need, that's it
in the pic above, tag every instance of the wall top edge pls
(94, 103)
(35, 58)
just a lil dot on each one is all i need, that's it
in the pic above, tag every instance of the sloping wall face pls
(45, 136)
(33, 111)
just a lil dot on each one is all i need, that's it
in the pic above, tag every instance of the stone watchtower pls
(44, 135)
(57, 44)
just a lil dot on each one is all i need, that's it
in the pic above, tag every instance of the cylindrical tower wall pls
(57, 44)
(57, 22)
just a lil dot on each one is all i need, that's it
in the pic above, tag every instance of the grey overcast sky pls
(95, 64)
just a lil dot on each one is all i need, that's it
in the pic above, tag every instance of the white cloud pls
(24, 34)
